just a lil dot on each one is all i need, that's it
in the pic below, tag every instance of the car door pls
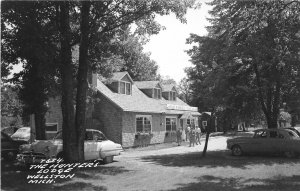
(88, 145)
(275, 142)
(258, 142)
(97, 146)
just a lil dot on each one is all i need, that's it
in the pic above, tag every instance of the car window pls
(98, 136)
(260, 134)
(58, 135)
(88, 135)
(291, 134)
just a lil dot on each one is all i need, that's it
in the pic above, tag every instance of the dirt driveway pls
(182, 168)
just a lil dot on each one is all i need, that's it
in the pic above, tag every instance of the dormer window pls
(157, 93)
(125, 88)
(172, 96)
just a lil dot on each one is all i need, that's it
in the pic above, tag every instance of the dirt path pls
(182, 168)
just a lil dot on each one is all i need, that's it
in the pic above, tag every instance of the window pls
(128, 88)
(51, 127)
(125, 88)
(97, 136)
(171, 124)
(157, 93)
(190, 122)
(143, 123)
(261, 134)
(172, 96)
(88, 135)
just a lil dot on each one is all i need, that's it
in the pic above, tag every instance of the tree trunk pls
(206, 143)
(39, 119)
(82, 85)
(208, 130)
(70, 145)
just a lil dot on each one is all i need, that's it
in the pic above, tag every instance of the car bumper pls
(30, 158)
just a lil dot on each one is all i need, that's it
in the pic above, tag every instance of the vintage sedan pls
(9, 147)
(22, 134)
(96, 146)
(267, 141)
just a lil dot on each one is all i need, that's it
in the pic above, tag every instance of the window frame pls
(149, 117)
(172, 95)
(158, 93)
(170, 117)
(125, 88)
(51, 124)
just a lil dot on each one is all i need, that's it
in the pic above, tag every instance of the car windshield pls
(58, 135)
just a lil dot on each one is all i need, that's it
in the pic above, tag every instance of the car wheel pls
(290, 154)
(108, 159)
(236, 150)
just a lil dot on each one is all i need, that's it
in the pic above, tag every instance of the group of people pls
(192, 134)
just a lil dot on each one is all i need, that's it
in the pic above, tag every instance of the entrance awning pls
(186, 115)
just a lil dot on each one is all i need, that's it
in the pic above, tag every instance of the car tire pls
(290, 154)
(236, 150)
(108, 159)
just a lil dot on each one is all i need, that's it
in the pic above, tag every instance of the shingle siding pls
(109, 117)
(131, 139)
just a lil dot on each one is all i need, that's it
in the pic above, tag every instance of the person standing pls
(187, 132)
(192, 137)
(198, 135)
(178, 135)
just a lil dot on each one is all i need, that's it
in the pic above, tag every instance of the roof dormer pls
(152, 89)
(121, 83)
(169, 92)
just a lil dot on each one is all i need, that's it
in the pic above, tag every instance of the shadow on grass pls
(213, 159)
(211, 183)
(14, 177)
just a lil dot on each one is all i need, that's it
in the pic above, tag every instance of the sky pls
(168, 47)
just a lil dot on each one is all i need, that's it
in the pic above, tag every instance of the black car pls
(9, 147)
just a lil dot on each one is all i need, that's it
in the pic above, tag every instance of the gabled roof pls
(117, 76)
(147, 84)
(168, 87)
(139, 102)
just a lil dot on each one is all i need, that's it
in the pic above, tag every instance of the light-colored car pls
(96, 146)
(22, 134)
(267, 141)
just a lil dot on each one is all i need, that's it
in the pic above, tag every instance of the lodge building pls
(133, 113)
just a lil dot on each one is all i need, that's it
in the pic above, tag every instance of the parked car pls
(22, 134)
(96, 146)
(9, 147)
(294, 129)
(267, 141)
(9, 130)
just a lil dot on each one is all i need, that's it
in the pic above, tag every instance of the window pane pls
(174, 96)
(173, 122)
(139, 124)
(159, 94)
(88, 135)
(155, 93)
(147, 125)
(122, 87)
(128, 88)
